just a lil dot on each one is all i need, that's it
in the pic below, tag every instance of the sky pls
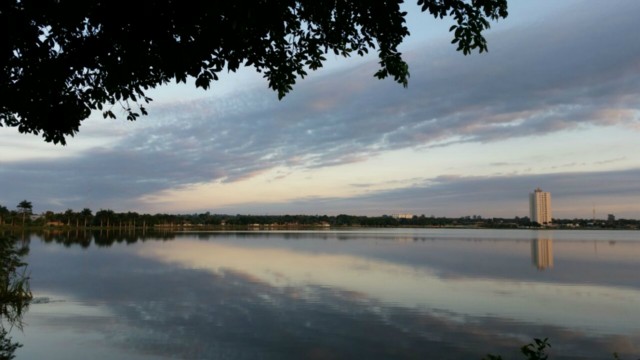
(554, 104)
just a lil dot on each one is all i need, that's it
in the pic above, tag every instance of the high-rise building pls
(540, 207)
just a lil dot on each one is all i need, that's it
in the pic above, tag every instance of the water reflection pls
(542, 253)
(100, 238)
(328, 295)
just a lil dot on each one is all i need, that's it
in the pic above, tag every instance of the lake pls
(356, 294)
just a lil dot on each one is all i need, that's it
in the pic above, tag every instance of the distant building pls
(540, 207)
(611, 218)
(402, 216)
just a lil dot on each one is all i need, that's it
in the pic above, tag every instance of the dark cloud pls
(560, 73)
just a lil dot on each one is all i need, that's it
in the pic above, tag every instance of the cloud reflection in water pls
(264, 297)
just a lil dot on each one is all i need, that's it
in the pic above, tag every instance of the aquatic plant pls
(15, 293)
(536, 351)
(7, 347)
(533, 351)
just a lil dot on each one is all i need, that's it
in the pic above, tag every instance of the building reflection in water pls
(542, 253)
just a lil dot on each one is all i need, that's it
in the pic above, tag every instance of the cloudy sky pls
(554, 104)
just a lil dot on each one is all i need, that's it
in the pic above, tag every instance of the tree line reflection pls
(86, 238)
(542, 256)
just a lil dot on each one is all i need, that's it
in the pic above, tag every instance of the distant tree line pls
(105, 218)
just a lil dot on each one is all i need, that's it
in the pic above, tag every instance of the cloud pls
(574, 194)
(565, 73)
(530, 84)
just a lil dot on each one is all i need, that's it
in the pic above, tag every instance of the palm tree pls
(69, 214)
(86, 215)
(25, 207)
(4, 212)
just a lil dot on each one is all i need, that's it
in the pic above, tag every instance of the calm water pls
(375, 294)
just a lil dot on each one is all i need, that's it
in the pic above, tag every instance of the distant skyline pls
(555, 104)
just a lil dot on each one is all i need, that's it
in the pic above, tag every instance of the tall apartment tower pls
(540, 207)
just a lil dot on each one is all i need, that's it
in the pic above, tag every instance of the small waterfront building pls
(402, 216)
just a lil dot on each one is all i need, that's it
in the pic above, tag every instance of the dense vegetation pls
(14, 285)
(15, 294)
(536, 350)
(86, 218)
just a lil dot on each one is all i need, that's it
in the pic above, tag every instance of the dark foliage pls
(14, 284)
(15, 294)
(7, 347)
(537, 350)
(62, 59)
